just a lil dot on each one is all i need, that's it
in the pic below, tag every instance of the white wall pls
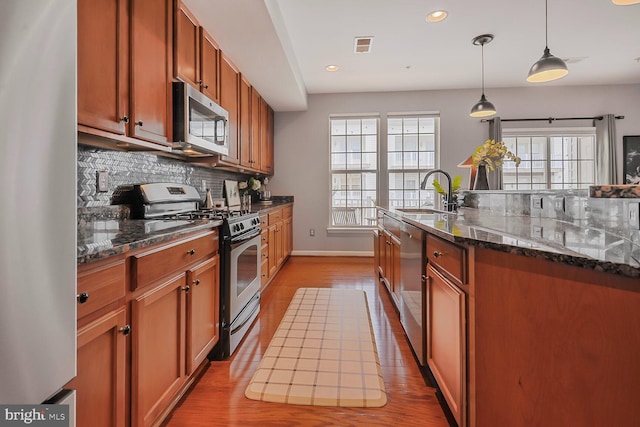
(302, 140)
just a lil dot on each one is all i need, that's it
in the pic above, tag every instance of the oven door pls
(244, 274)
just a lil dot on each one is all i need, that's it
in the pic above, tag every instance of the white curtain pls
(606, 157)
(495, 132)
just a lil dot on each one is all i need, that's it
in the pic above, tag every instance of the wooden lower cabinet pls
(101, 381)
(446, 340)
(277, 240)
(158, 363)
(203, 311)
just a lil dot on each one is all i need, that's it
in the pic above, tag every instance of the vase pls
(482, 183)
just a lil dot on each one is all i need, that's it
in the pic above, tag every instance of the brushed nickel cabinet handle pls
(186, 289)
(125, 330)
(191, 252)
(437, 254)
(196, 282)
(125, 119)
(139, 123)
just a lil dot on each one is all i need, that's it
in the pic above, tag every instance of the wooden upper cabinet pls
(245, 123)
(229, 100)
(266, 138)
(186, 45)
(151, 70)
(209, 66)
(256, 100)
(103, 68)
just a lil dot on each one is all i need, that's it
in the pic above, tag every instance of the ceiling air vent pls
(363, 44)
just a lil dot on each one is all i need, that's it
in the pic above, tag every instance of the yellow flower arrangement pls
(491, 154)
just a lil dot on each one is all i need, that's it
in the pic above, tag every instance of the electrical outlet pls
(536, 231)
(102, 181)
(558, 204)
(536, 202)
(312, 232)
(634, 216)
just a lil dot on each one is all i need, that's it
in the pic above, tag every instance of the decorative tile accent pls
(322, 354)
(127, 167)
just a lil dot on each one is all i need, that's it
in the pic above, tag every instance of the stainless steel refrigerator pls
(38, 137)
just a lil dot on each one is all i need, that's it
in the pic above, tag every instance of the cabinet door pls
(209, 66)
(279, 243)
(395, 271)
(245, 123)
(151, 70)
(255, 128)
(288, 236)
(266, 138)
(203, 311)
(273, 260)
(103, 67)
(186, 46)
(158, 322)
(100, 383)
(446, 340)
(229, 100)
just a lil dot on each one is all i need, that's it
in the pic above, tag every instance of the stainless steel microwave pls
(200, 126)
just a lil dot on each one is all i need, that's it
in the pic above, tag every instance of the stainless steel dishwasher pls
(412, 289)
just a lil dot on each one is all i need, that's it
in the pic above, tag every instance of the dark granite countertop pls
(545, 238)
(261, 207)
(101, 239)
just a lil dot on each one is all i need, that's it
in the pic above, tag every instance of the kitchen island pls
(541, 326)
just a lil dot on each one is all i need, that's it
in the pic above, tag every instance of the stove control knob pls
(241, 226)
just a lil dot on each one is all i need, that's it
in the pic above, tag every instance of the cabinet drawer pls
(275, 216)
(152, 265)
(451, 258)
(264, 220)
(264, 237)
(101, 286)
(287, 212)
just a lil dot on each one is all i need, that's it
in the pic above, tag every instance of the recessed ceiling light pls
(625, 2)
(437, 16)
(331, 68)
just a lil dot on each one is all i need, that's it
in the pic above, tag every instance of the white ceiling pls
(282, 46)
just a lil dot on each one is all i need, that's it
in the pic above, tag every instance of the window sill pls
(350, 230)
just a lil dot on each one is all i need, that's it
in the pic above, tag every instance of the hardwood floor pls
(217, 399)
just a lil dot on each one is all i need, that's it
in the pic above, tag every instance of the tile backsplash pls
(126, 167)
(573, 206)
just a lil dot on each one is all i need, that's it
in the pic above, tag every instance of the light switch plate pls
(558, 204)
(102, 181)
(634, 216)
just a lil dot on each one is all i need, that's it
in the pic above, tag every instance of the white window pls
(354, 171)
(551, 158)
(411, 153)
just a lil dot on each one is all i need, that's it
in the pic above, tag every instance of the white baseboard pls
(333, 253)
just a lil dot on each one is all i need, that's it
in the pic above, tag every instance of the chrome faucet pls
(449, 198)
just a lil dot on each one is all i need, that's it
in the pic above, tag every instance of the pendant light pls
(548, 67)
(483, 108)
(625, 2)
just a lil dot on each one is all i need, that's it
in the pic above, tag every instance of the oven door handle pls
(248, 235)
(248, 318)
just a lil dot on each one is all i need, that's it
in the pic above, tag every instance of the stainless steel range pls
(239, 251)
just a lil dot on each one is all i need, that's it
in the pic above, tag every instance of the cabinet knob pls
(263, 275)
(191, 252)
(437, 254)
(125, 330)
(139, 123)
(125, 119)
(186, 289)
(83, 297)
(196, 282)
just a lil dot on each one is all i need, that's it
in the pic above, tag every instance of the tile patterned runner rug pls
(323, 353)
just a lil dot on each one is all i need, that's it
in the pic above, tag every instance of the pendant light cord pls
(546, 24)
(482, 62)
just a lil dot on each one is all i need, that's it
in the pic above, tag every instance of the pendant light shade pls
(548, 67)
(625, 2)
(483, 108)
